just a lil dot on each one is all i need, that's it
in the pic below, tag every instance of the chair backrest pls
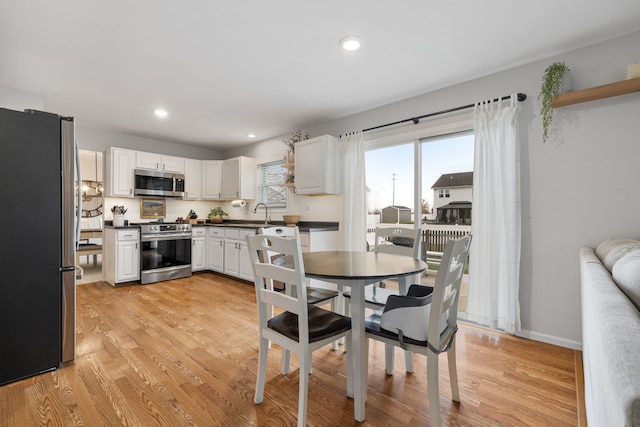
(283, 231)
(265, 272)
(407, 241)
(446, 292)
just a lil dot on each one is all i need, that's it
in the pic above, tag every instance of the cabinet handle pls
(221, 244)
(237, 194)
(131, 191)
(136, 245)
(193, 243)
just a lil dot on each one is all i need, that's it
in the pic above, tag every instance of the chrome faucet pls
(267, 218)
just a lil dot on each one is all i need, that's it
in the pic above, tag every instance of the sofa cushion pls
(611, 250)
(626, 273)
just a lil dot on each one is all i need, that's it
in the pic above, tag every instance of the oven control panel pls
(165, 228)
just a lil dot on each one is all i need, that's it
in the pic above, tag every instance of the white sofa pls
(610, 284)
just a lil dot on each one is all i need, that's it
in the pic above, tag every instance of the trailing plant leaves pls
(551, 86)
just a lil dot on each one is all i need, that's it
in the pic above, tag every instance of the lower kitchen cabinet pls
(199, 249)
(121, 255)
(236, 256)
(215, 249)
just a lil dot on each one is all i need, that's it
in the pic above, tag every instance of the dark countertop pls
(304, 226)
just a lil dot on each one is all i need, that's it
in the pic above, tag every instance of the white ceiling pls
(226, 68)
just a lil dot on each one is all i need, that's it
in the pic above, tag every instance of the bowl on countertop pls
(291, 220)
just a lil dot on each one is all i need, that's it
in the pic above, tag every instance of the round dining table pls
(357, 270)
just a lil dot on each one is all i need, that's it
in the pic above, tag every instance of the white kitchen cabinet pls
(199, 248)
(236, 255)
(155, 161)
(239, 178)
(215, 249)
(317, 166)
(119, 167)
(211, 179)
(121, 255)
(192, 179)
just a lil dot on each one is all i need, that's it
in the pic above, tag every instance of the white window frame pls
(263, 188)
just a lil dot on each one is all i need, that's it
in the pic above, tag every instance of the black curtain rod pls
(416, 120)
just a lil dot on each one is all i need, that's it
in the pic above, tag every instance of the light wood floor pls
(185, 352)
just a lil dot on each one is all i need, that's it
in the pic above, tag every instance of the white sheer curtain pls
(495, 250)
(354, 210)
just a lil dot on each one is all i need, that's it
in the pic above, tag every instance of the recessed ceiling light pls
(160, 113)
(350, 43)
(251, 135)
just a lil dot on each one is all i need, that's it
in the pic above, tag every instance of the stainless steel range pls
(166, 252)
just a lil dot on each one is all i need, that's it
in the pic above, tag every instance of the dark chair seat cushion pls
(322, 324)
(318, 295)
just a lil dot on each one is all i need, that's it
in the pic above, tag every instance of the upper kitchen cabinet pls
(317, 168)
(192, 178)
(119, 166)
(159, 162)
(239, 178)
(211, 179)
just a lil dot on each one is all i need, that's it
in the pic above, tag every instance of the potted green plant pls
(552, 85)
(215, 215)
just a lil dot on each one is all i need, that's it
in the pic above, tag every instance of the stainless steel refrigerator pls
(37, 243)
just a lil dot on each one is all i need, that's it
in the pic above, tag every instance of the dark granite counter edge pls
(305, 226)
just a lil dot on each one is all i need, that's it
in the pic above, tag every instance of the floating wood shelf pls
(598, 92)
(289, 185)
(288, 165)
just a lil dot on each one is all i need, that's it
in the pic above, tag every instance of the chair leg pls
(453, 372)
(350, 366)
(305, 362)
(433, 389)
(408, 361)
(262, 370)
(388, 358)
(284, 365)
(334, 345)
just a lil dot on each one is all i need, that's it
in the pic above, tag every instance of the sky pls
(439, 156)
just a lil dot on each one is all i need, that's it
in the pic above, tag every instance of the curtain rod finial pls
(521, 97)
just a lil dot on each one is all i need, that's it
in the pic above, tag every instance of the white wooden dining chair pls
(425, 321)
(300, 328)
(315, 296)
(391, 240)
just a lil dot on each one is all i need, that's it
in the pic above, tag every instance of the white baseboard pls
(550, 339)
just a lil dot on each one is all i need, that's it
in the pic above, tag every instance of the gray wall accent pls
(98, 140)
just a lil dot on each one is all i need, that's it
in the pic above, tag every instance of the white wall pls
(464, 194)
(19, 100)
(577, 189)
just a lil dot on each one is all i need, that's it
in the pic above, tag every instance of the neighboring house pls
(452, 194)
(396, 215)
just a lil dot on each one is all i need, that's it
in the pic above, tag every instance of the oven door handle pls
(158, 238)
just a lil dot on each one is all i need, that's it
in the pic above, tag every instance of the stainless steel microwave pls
(158, 183)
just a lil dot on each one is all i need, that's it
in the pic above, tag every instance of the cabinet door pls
(231, 178)
(245, 270)
(120, 166)
(198, 254)
(128, 261)
(216, 254)
(232, 257)
(239, 178)
(192, 179)
(172, 164)
(317, 166)
(211, 179)
(151, 161)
